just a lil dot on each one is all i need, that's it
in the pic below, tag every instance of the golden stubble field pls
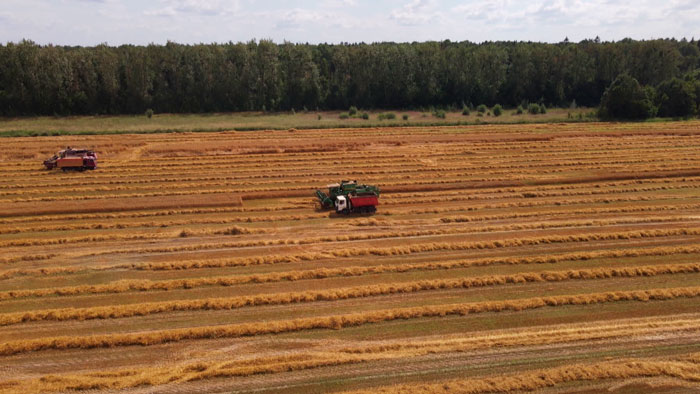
(560, 257)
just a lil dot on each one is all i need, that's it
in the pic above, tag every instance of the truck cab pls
(341, 204)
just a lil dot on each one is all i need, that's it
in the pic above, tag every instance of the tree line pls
(263, 75)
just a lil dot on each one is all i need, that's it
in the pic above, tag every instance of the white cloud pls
(298, 18)
(206, 7)
(88, 22)
(686, 10)
(167, 11)
(493, 10)
(591, 13)
(196, 7)
(338, 3)
(417, 12)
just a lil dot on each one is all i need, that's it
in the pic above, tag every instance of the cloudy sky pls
(90, 22)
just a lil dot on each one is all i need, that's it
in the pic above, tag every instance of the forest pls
(266, 76)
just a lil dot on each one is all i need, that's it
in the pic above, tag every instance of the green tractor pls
(345, 189)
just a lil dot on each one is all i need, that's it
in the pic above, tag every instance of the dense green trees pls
(626, 99)
(675, 97)
(267, 76)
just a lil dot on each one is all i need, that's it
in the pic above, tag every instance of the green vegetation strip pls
(293, 125)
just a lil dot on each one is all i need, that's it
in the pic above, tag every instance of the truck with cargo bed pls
(72, 160)
(350, 197)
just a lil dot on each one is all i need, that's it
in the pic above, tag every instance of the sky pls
(141, 22)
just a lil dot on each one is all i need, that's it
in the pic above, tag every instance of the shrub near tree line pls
(693, 78)
(675, 98)
(626, 99)
(497, 110)
(533, 108)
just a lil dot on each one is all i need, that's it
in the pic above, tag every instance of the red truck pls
(356, 203)
(72, 160)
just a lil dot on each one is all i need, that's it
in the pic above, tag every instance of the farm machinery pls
(72, 160)
(350, 197)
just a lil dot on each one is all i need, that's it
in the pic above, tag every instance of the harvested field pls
(560, 257)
